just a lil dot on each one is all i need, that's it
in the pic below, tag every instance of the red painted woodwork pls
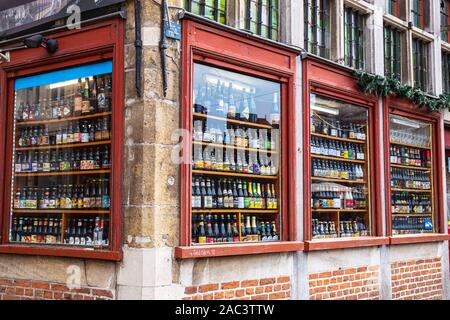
(92, 43)
(337, 82)
(230, 49)
(237, 249)
(447, 138)
(419, 238)
(406, 108)
(340, 243)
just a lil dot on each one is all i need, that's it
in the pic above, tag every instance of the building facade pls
(348, 185)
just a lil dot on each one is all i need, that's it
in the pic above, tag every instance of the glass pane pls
(340, 172)
(411, 176)
(61, 155)
(236, 150)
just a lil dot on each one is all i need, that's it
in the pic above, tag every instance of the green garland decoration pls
(381, 86)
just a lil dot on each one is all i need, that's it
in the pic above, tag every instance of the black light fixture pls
(38, 40)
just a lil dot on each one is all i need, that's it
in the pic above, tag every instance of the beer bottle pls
(99, 198)
(216, 232)
(254, 229)
(76, 135)
(87, 197)
(89, 232)
(91, 132)
(248, 229)
(243, 230)
(93, 96)
(105, 195)
(229, 231)
(201, 231)
(80, 197)
(85, 104)
(78, 231)
(78, 100)
(235, 230)
(108, 94)
(101, 97)
(93, 194)
(209, 230)
(98, 130)
(105, 131)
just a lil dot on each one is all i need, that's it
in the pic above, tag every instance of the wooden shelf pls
(411, 190)
(233, 174)
(37, 122)
(235, 211)
(318, 156)
(64, 173)
(339, 210)
(242, 123)
(336, 138)
(410, 145)
(395, 165)
(227, 146)
(337, 180)
(76, 211)
(411, 214)
(63, 146)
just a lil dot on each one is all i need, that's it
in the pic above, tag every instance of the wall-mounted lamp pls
(38, 40)
(31, 42)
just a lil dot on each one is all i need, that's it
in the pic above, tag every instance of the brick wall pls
(257, 289)
(417, 279)
(360, 283)
(13, 289)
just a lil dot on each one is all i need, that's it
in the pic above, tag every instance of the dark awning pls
(6, 4)
(19, 15)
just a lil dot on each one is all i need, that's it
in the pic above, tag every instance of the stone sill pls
(342, 243)
(208, 251)
(417, 238)
(60, 251)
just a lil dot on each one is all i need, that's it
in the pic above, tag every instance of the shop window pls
(446, 72)
(62, 158)
(236, 185)
(411, 176)
(262, 18)
(340, 170)
(317, 27)
(392, 53)
(353, 38)
(445, 20)
(420, 63)
(212, 9)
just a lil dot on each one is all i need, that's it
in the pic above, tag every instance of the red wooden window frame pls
(218, 46)
(93, 43)
(407, 109)
(336, 82)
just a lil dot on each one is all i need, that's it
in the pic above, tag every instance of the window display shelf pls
(63, 173)
(339, 210)
(314, 134)
(337, 159)
(227, 146)
(262, 211)
(337, 180)
(62, 120)
(409, 167)
(233, 174)
(78, 211)
(410, 145)
(64, 146)
(411, 214)
(412, 190)
(233, 121)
